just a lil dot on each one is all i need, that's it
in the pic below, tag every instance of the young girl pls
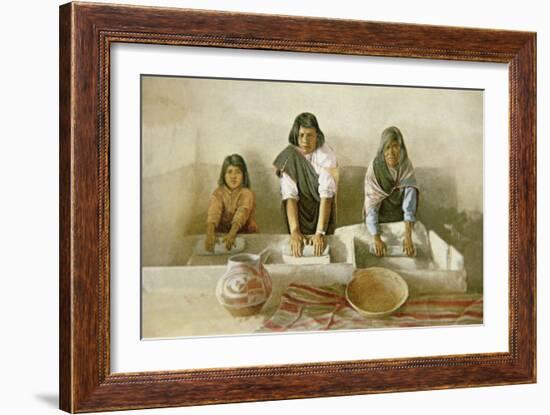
(308, 188)
(232, 205)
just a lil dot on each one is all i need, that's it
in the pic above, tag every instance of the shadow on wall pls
(438, 210)
(175, 205)
(437, 191)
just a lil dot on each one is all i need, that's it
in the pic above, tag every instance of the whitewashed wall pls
(190, 125)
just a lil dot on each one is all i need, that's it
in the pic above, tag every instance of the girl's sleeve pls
(215, 209)
(327, 184)
(327, 161)
(244, 207)
(289, 189)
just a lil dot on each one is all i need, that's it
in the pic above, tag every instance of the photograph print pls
(274, 206)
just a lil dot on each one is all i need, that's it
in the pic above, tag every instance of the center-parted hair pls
(238, 161)
(306, 120)
(388, 135)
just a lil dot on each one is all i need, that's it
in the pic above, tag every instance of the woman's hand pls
(379, 246)
(229, 240)
(296, 243)
(210, 241)
(408, 246)
(319, 243)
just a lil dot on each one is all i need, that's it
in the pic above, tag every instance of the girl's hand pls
(296, 243)
(408, 246)
(379, 246)
(229, 240)
(319, 243)
(210, 241)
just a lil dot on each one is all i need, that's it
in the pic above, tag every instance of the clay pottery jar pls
(246, 285)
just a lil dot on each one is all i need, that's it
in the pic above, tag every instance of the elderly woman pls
(305, 169)
(391, 192)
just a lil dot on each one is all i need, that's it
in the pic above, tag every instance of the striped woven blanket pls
(307, 308)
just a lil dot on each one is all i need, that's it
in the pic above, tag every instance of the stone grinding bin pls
(185, 291)
(437, 266)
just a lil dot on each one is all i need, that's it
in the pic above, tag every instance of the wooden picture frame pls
(86, 33)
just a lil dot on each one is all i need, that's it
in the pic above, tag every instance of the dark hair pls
(237, 161)
(391, 134)
(306, 120)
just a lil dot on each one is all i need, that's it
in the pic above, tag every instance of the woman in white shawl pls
(391, 192)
